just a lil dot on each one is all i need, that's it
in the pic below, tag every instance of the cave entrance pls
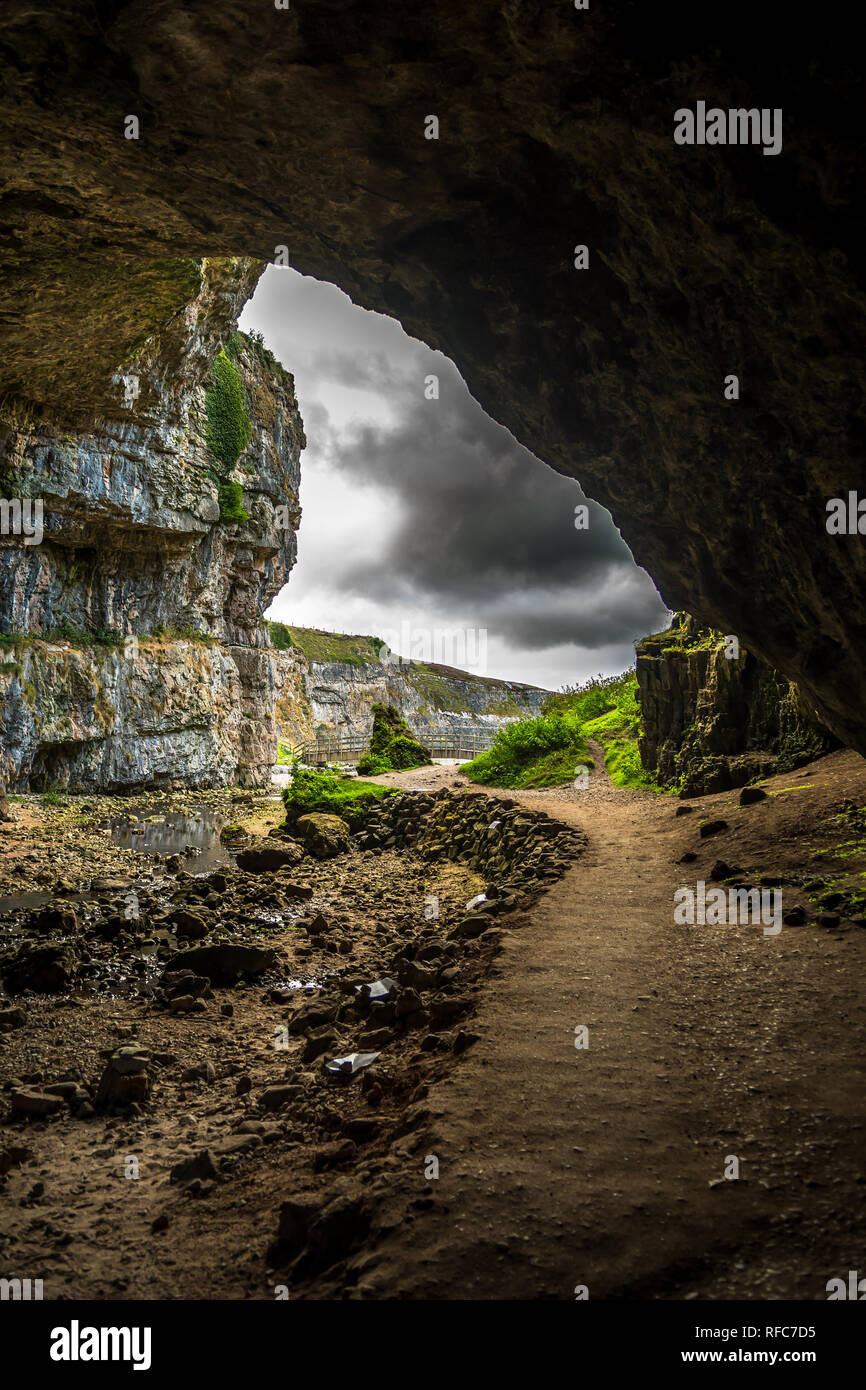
(425, 524)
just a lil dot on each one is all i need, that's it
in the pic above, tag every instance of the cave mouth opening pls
(425, 523)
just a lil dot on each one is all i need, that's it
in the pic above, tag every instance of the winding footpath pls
(603, 1166)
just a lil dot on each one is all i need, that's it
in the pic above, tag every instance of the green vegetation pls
(231, 498)
(255, 343)
(542, 752)
(288, 753)
(318, 645)
(393, 747)
(618, 730)
(545, 752)
(228, 422)
(179, 634)
(62, 632)
(328, 793)
(280, 636)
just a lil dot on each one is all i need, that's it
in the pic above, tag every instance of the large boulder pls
(45, 969)
(323, 836)
(269, 858)
(222, 962)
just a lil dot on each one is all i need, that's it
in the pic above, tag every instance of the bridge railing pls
(350, 748)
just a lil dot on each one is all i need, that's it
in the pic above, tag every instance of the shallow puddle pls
(173, 832)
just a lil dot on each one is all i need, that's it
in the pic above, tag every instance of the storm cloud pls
(427, 511)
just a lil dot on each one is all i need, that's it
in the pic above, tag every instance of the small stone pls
(330, 1155)
(713, 827)
(376, 1039)
(199, 1167)
(203, 1071)
(238, 1144)
(274, 1097)
(35, 1103)
(269, 859)
(469, 927)
(319, 1043)
(749, 796)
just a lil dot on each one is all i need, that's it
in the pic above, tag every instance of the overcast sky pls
(423, 516)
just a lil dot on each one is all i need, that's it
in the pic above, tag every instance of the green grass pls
(62, 632)
(280, 636)
(542, 752)
(545, 752)
(618, 730)
(327, 793)
(318, 645)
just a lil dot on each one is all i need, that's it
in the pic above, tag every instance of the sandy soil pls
(605, 1167)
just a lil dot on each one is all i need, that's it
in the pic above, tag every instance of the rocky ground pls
(175, 1133)
(154, 1120)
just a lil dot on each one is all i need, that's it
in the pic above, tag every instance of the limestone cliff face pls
(436, 701)
(137, 546)
(305, 127)
(711, 722)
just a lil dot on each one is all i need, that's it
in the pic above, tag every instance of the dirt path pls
(605, 1166)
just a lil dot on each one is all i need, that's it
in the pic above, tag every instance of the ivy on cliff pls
(228, 430)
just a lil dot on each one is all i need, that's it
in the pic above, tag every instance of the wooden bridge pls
(331, 746)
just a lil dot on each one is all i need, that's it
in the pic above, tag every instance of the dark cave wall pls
(712, 721)
(306, 128)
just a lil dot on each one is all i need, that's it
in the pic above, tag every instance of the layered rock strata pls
(712, 719)
(133, 646)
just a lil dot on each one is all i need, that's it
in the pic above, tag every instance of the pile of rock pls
(495, 836)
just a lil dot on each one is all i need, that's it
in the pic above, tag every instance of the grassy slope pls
(545, 752)
(317, 645)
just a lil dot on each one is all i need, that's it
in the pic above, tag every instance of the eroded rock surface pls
(141, 551)
(437, 701)
(305, 128)
(713, 721)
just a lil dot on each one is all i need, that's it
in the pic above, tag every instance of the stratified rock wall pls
(436, 701)
(711, 722)
(306, 129)
(135, 547)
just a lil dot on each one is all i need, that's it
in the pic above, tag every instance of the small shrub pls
(372, 766)
(281, 638)
(228, 422)
(393, 746)
(330, 794)
(231, 498)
